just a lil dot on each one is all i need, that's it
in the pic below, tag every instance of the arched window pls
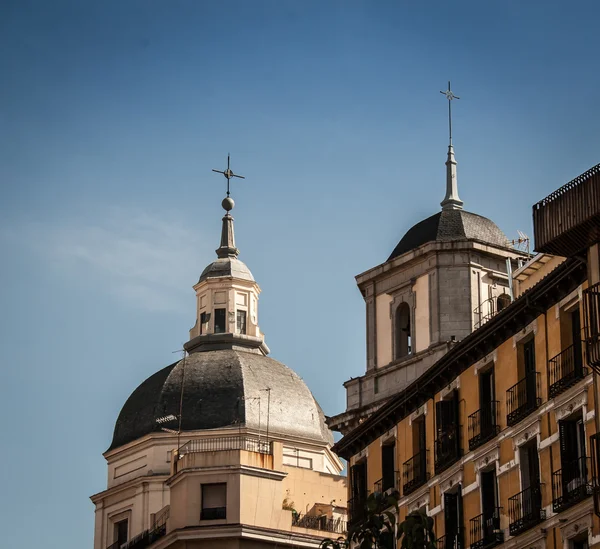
(402, 327)
(502, 302)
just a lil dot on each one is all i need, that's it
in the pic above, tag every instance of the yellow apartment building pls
(496, 441)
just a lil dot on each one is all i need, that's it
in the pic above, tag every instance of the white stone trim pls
(492, 358)
(449, 388)
(391, 434)
(575, 527)
(572, 405)
(451, 481)
(420, 411)
(485, 460)
(549, 441)
(526, 433)
(531, 327)
(419, 502)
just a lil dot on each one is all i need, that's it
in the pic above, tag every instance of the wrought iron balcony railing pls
(591, 313)
(219, 444)
(566, 369)
(484, 424)
(523, 398)
(570, 484)
(148, 537)
(485, 530)
(336, 526)
(357, 508)
(388, 482)
(414, 472)
(447, 449)
(595, 447)
(525, 510)
(565, 222)
(449, 541)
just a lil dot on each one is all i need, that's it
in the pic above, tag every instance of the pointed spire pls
(227, 247)
(451, 200)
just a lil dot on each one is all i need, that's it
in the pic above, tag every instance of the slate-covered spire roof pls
(448, 226)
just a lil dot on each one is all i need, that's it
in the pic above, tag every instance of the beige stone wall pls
(422, 314)
(384, 329)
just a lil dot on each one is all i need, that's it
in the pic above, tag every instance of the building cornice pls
(228, 531)
(526, 308)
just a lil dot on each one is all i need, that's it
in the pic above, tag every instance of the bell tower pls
(226, 295)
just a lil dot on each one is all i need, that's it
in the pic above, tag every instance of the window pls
(220, 321)
(447, 443)
(453, 519)
(388, 465)
(358, 480)
(403, 340)
(204, 318)
(214, 501)
(502, 301)
(121, 532)
(241, 322)
(580, 542)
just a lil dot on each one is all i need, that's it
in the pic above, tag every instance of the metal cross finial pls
(450, 96)
(229, 174)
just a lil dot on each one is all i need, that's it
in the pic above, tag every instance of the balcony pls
(523, 398)
(389, 482)
(595, 447)
(570, 484)
(484, 425)
(485, 531)
(449, 541)
(565, 222)
(357, 509)
(447, 449)
(525, 510)
(148, 537)
(414, 472)
(566, 369)
(237, 450)
(322, 523)
(591, 312)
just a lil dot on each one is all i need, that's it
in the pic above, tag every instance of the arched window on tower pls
(403, 343)
(502, 301)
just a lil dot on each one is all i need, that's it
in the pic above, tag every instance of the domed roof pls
(227, 266)
(451, 225)
(221, 389)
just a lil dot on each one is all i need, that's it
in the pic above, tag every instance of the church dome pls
(448, 226)
(222, 388)
(227, 267)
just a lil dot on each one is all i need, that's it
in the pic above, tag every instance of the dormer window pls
(220, 327)
(204, 318)
(241, 322)
(403, 339)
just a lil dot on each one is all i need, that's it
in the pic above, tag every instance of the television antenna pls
(521, 243)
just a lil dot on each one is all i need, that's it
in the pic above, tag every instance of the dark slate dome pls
(227, 267)
(220, 390)
(451, 225)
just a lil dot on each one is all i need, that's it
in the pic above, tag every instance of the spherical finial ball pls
(228, 204)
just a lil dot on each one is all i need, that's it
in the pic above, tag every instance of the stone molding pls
(526, 433)
(529, 329)
(492, 456)
(572, 405)
(449, 388)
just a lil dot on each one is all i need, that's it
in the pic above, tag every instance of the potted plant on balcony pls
(381, 530)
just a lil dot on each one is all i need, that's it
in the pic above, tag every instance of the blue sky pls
(112, 115)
